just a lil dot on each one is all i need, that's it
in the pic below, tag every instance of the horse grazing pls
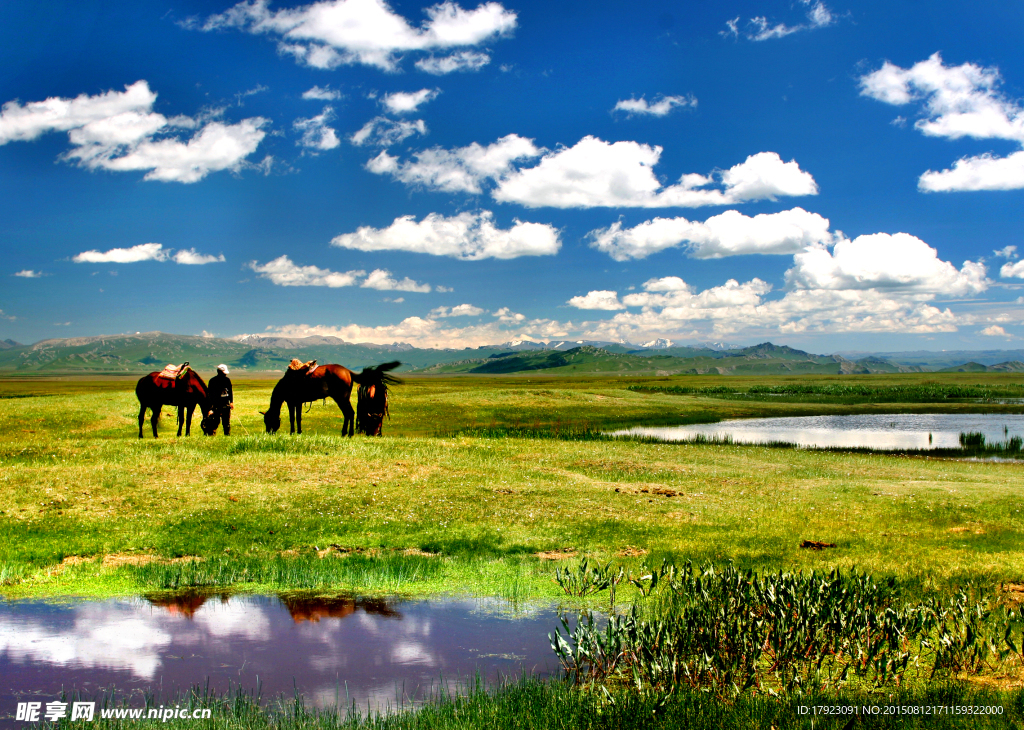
(373, 398)
(184, 392)
(318, 383)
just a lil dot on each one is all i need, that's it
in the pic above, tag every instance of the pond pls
(876, 431)
(379, 654)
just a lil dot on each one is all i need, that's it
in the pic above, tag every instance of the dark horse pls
(298, 387)
(184, 392)
(373, 398)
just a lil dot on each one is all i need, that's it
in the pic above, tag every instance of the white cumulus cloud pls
(462, 169)
(598, 299)
(385, 132)
(1015, 269)
(728, 234)
(119, 131)
(460, 310)
(403, 102)
(316, 134)
(957, 101)
(592, 173)
(145, 252)
(994, 331)
(284, 272)
(383, 280)
(321, 94)
(28, 274)
(468, 236)
(885, 261)
(193, 258)
(141, 252)
(660, 107)
(981, 172)
(330, 33)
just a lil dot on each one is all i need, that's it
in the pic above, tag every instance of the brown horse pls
(326, 381)
(185, 393)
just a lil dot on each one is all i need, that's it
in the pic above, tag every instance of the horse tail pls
(378, 375)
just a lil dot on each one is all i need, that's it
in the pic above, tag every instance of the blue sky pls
(833, 176)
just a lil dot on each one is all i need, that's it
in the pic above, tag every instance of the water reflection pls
(876, 431)
(374, 652)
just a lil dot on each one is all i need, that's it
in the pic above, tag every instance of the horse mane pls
(378, 375)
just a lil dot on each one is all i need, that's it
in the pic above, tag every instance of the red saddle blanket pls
(173, 372)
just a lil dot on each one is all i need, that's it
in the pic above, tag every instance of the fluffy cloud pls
(601, 299)
(463, 169)
(728, 234)
(659, 108)
(460, 310)
(957, 101)
(324, 94)
(119, 131)
(461, 61)
(142, 252)
(192, 257)
(592, 173)
(759, 29)
(284, 272)
(467, 236)
(381, 279)
(385, 132)
(994, 331)
(29, 274)
(981, 172)
(145, 252)
(403, 102)
(334, 32)
(885, 261)
(1015, 269)
(316, 135)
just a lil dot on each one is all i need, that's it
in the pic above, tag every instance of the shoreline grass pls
(529, 704)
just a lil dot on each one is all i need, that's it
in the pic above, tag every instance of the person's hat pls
(223, 368)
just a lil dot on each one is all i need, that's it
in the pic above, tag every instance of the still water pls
(877, 431)
(376, 653)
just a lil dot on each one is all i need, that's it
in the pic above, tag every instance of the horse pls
(185, 392)
(372, 406)
(319, 383)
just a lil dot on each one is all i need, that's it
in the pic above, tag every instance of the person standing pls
(222, 398)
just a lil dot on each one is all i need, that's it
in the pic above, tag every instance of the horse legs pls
(298, 418)
(188, 420)
(142, 417)
(349, 426)
(291, 418)
(181, 418)
(155, 418)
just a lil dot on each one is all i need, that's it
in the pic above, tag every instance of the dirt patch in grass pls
(631, 552)
(117, 560)
(560, 554)
(71, 561)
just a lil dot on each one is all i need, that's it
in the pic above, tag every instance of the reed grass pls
(529, 704)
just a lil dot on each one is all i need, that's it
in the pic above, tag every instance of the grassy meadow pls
(84, 502)
(86, 508)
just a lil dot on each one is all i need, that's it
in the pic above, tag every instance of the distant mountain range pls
(144, 352)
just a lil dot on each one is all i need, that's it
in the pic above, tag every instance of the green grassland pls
(77, 482)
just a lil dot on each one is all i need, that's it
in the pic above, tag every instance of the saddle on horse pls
(302, 367)
(173, 372)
